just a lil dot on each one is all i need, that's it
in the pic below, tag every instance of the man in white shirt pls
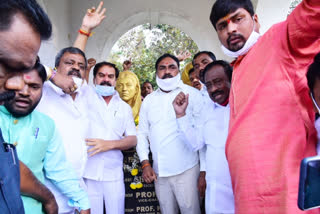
(112, 130)
(175, 166)
(212, 134)
(70, 113)
(199, 62)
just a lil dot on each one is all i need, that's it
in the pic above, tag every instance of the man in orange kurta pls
(271, 119)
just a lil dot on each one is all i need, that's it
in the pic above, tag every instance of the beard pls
(7, 95)
(10, 106)
(236, 46)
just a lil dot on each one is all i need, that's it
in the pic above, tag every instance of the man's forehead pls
(231, 15)
(146, 84)
(201, 57)
(216, 71)
(74, 56)
(32, 77)
(107, 70)
(167, 61)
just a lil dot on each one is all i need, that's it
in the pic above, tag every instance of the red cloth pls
(271, 119)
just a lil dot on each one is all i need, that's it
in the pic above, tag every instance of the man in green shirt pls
(38, 143)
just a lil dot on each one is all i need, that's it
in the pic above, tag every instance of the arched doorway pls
(144, 44)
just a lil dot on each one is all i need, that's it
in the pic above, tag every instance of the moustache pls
(74, 72)
(167, 76)
(6, 96)
(215, 93)
(234, 36)
(106, 83)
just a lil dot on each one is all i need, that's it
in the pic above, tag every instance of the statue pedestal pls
(140, 200)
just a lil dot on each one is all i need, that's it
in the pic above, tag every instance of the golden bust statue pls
(128, 87)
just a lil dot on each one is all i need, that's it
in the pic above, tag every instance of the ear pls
(257, 24)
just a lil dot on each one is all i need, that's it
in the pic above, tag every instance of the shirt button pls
(15, 121)
(15, 143)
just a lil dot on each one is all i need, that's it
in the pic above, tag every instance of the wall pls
(122, 15)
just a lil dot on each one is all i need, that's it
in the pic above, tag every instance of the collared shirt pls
(71, 119)
(110, 121)
(211, 133)
(205, 96)
(158, 124)
(39, 146)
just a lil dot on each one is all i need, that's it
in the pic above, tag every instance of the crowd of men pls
(235, 137)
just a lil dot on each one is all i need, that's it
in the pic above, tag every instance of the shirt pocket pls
(215, 135)
(118, 124)
(34, 150)
(154, 116)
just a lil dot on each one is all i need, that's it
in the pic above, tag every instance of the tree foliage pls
(294, 4)
(144, 46)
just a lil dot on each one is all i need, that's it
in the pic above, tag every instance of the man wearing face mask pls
(112, 130)
(175, 169)
(70, 113)
(271, 116)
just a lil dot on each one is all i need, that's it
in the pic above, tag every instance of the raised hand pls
(180, 104)
(93, 18)
(127, 65)
(183, 55)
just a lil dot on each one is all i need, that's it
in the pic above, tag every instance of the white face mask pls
(253, 38)
(104, 90)
(315, 103)
(168, 84)
(78, 82)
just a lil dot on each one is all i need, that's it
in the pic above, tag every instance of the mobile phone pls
(309, 183)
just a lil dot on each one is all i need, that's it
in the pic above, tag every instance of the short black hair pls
(226, 67)
(72, 50)
(104, 63)
(165, 56)
(221, 8)
(147, 81)
(313, 72)
(190, 71)
(209, 53)
(40, 69)
(31, 11)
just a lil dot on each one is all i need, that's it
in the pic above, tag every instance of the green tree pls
(144, 46)
(293, 5)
